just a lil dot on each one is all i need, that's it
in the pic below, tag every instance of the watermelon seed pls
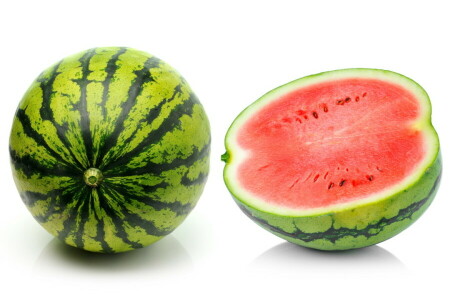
(330, 185)
(348, 99)
(315, 115)
(325, 177)
(295, 182)
(364, 94)
(340, 102)
(316, 177)
(369, 177)
(357, 98)
(263, 167)
(325, 108)
(342, 182)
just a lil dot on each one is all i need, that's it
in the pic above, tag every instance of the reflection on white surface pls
(288, 256)
(165, 255)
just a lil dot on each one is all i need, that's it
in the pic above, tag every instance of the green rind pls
(359, 227)
(128, 114)
(355, 225)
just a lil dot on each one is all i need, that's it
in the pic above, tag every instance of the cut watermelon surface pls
(332, 142)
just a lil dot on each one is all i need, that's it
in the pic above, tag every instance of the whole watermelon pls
(110, 149)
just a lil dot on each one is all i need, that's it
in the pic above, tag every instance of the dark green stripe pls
(30, 198)
(155, 111)
(30, 132)
(117, 220)
(29, 166)
(142, 76)
(83, 217)
(177, 207)
(129, 217)
(82, 105)
(332, 234)
(151, 116)
(100, 237)
(155, 168)
(169, 124)
(110, 70)
(201, 178)
(78, 198)
(46, 112)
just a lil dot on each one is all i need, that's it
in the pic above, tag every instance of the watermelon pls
(110, 149)
(337, 160)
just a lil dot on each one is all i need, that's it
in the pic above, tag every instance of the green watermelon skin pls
(127, 114)
(360, 227)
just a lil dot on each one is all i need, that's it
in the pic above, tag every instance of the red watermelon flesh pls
(331, 143)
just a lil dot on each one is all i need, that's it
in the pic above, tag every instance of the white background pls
(231, 53)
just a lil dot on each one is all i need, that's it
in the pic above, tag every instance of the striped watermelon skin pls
(126, 115)
(360, 227)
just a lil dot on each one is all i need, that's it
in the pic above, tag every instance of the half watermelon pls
(337, 160)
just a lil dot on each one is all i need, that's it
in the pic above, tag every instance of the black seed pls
(315, 115)
(316, 177)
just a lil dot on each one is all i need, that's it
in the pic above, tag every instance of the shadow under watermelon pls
(297, 260)
(164, 255)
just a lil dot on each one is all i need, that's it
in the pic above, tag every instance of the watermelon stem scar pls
(93, 177)
(225, 157)
(337, 160)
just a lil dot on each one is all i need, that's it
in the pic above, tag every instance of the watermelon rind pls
(356, 224)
